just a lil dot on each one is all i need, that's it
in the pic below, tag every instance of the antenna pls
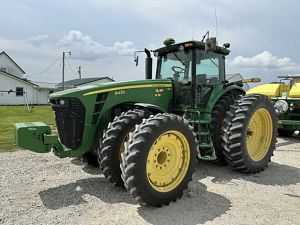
(193, 31)
(216, 25)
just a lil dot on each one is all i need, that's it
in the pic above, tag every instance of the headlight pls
(281, 106)
(61, 102)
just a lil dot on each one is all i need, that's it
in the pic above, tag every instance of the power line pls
(45, 69)
(70, 66)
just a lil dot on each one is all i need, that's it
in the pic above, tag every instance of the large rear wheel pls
(218, 115)
(159, 159)
(250, 132)
(112, 145)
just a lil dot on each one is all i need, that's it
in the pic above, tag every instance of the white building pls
(16, 90)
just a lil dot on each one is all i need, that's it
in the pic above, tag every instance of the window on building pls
(19, 91)
(3, 69)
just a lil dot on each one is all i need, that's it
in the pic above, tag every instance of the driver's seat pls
(201, 79)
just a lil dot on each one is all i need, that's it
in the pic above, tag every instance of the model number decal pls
(158, 92)
(122, 92)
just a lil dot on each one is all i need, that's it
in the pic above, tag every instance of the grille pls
(70, 119)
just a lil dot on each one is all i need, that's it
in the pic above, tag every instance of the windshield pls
(177, 65)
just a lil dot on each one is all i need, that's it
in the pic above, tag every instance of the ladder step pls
(205, 145)
(207, 158)
(203, 133)
(201, 121)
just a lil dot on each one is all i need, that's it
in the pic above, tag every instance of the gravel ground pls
(43, 189)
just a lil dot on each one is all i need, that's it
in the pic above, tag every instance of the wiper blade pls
(179, 59)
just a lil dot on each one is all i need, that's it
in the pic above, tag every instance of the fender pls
(150, 106)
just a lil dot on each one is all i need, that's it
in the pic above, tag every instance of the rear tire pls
(250, 132)
(218, 115)
(112, 145)
(159, 159)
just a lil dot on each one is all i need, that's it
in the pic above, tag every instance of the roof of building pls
(18, 78)
(3, 52)
(78, 82)
(46, 85)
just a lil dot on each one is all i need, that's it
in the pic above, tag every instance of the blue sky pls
(102, 35)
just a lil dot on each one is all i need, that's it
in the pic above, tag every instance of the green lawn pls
(9, 115)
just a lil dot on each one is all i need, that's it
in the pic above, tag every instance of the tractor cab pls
(194, 67)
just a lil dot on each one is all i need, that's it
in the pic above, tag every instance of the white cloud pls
(265, 60)
(85, 48)
(38, 40)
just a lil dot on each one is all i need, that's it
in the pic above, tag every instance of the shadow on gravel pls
(274, 174)
(196, 206)
(85, 167)
(83, 191)
(285, 141)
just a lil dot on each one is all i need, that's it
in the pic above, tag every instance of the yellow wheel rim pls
(168, 161)
(259, 134)
(122, 147)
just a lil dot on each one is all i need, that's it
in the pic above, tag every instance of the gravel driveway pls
(43, 189)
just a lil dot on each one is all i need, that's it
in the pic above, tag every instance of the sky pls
(103, 35)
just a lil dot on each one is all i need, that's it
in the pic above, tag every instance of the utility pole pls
(63, 70)
(79, 71)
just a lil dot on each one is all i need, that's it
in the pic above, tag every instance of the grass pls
(9, 115)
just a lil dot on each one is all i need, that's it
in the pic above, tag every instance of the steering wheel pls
(176, 73)
(181, 70)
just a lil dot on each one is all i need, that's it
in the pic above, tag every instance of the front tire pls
(159, 159)
(112, 145)
(250, 132)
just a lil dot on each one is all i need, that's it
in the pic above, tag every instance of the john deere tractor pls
(286, 98)
(147, 134)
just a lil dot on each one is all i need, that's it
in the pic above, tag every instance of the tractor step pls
(207, 158)
(203, 133)
(205, 145)
(202, 121)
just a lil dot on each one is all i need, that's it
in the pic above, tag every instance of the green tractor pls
(147, 134)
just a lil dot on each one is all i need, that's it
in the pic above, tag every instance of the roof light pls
(188, 45)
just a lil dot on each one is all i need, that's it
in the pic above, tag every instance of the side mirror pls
(136, 59)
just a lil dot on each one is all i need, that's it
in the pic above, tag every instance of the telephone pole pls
(79, 71)
(63, 70)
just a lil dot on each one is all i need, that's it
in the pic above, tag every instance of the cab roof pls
(190, 44)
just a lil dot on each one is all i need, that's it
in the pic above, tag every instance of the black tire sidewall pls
(148, 190)
(266, 104)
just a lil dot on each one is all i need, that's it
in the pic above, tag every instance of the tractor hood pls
(111, 86)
